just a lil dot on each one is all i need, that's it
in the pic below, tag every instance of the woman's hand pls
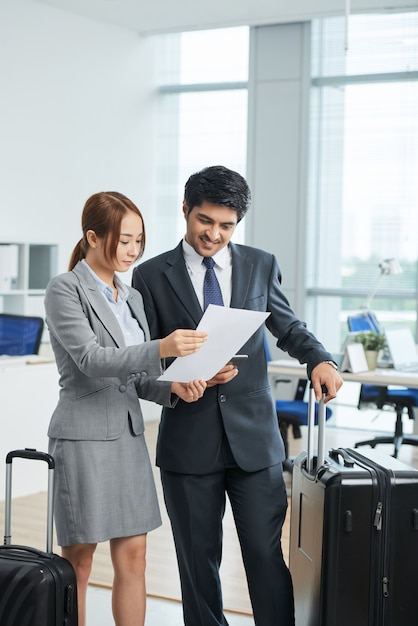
(189, 392)
(182, 342)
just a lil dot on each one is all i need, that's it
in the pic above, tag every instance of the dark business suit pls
(228, 441)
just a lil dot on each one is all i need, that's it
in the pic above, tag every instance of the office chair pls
(366, 320)
(20, 334)
(400, 400)
(292, 413)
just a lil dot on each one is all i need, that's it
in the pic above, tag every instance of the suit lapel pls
(99, 304)
(242, 272)
(179, 280)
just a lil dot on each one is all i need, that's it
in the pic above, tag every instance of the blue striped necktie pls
(211, 290)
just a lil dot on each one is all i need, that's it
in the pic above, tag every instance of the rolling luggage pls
(36, 588)
(353, 536)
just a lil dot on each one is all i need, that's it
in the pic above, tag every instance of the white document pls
(228, 329)
(354, 359)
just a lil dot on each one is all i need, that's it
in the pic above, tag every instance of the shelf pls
(25, 270)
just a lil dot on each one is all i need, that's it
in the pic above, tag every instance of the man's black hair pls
(219, 185)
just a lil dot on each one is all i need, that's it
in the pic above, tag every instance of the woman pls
(99, 334)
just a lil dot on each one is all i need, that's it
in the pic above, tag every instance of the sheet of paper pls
(228, 329)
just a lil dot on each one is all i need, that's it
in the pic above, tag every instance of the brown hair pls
(103, 213)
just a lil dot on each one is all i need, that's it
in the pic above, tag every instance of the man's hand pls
(189, 392)
(226, 374)
(325, 374)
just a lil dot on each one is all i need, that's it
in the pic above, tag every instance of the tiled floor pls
(342, 429)
(159, 612)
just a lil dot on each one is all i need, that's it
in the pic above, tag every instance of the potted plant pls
(372, 343)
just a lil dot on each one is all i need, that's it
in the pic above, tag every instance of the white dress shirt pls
(132, 331)
(196, 269)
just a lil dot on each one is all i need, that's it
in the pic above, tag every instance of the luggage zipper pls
(384, 497)
(385, 587)
(378, 516)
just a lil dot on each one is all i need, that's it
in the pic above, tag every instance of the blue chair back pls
(366, 320)
(296, 407)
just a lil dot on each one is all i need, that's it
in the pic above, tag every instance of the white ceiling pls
(158, 16)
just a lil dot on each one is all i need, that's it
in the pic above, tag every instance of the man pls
(228, 442)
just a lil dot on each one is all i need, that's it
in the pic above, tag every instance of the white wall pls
(76, 117)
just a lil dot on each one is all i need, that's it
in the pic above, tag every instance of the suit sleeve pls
(70, 327)
(292, 334)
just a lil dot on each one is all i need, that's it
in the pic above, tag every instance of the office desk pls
(383, 377)
(28, 393)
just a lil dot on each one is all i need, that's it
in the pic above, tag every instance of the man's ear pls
(185, 209)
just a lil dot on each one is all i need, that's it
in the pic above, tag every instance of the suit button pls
(122, 388)
(222, 398)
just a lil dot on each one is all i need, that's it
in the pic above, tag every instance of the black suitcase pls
(353, 536)
(36, 588)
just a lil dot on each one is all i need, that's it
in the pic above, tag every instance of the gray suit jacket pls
(100, 377)
(190, 436)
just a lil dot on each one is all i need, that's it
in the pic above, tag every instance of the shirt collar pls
(194, 260)
(123, 291)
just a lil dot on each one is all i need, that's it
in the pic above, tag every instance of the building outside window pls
(362, 204)
(202, 115)
(363, 187)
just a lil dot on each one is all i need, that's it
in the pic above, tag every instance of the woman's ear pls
(91, 238)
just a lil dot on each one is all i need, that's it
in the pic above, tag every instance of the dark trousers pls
(195, 505)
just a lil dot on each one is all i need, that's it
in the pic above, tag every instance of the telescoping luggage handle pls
(321, 431)
(29, 453)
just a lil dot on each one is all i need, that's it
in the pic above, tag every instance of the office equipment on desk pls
(401, 401)
(402, 349)
(386, 376)
(291, 368)
(349, 339)
(293, 413)
(363, 322)
(354, 359)
(20, 334)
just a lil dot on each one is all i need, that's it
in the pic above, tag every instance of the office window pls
(363, 183)
(202, 116)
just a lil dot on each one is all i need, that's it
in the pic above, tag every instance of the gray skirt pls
(103, 489)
